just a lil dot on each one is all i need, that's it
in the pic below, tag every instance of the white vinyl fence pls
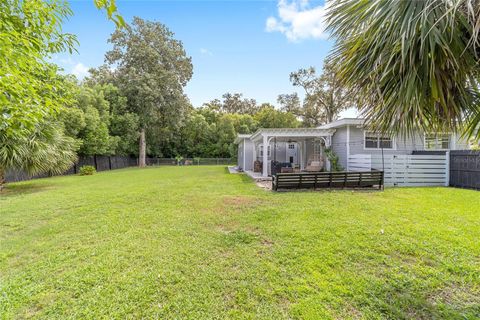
(405, 170)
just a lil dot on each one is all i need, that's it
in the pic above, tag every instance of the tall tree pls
(152, 69)
(233, 103)
(290, 103)
(325, 96)
(414, 64)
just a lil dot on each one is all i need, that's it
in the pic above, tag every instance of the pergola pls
(265, 136)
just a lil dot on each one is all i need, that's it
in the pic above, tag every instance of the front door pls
(292, 152)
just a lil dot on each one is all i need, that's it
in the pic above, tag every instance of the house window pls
(268, 150)
(291, 146)
(437, 141)
(377, 141)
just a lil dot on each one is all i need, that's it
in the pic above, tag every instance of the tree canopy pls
(32, 92)
(325, 96)
(151, 69)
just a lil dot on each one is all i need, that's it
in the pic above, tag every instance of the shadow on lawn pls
(402, 302)
(29, 187)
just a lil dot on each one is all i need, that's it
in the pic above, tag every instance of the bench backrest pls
(341, 179)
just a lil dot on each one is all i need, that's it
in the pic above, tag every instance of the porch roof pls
(291, 133)
(241, 136)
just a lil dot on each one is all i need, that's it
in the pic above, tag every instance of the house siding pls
(248, 164)
(402, 145)
(240, 155)
(339, 145)
(248, 154)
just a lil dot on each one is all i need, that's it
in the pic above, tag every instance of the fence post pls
(109, 162)
(447, 168)
(95, 161)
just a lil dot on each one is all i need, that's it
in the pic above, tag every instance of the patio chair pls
(314, 166)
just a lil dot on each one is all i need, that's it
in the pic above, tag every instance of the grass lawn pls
(198, 243)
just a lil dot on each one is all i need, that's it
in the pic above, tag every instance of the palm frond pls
(411, 62)
(46, 150)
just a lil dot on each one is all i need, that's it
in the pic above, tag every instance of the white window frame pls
(437, 140)
(394, 144)
(269, 150)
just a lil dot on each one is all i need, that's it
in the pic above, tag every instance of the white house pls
(304, 148)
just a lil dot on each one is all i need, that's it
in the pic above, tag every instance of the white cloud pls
(206, 52)
(67, 61)
(297, 20)
(80, 70)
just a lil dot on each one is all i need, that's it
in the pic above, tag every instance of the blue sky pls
(236, 46)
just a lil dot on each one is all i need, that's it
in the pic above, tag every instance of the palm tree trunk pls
(142, 151)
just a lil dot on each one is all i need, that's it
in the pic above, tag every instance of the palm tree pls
(414, 64)
(47, 149)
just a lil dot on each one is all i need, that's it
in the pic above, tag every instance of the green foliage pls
(87, 170)
(414, 64)
(334, 160)
(225, 134)
(269, 117)
(194, 242)
(123, 124)
(209, 131)
(178, 159)
(325, 96)
(32, 93)
(234, 103)
(47, 149)
(30, 88)
(88, 120)
(111, 10)
(151, 70)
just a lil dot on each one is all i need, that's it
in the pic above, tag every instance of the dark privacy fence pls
(465, 169)
(104, 163)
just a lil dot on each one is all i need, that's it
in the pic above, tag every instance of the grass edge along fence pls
(106, 163)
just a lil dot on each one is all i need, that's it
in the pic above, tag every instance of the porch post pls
(265, 156)
(328, 144)
(303, 155)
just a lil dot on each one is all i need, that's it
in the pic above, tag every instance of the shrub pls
(334, 160)
(87, 170)
(179, 160)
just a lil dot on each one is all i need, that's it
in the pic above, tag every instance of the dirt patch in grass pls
(235, 235)
(240, 201)
(238, 204)
(458, 296)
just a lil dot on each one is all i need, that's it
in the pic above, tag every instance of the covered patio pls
(303, 149)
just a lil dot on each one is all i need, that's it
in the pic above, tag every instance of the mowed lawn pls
(199, 243)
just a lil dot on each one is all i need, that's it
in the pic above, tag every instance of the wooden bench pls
(341, 179)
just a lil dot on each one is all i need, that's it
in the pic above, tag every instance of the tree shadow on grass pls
(403, 302)
(23, 188)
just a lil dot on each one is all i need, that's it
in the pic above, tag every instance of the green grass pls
(198, 243)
